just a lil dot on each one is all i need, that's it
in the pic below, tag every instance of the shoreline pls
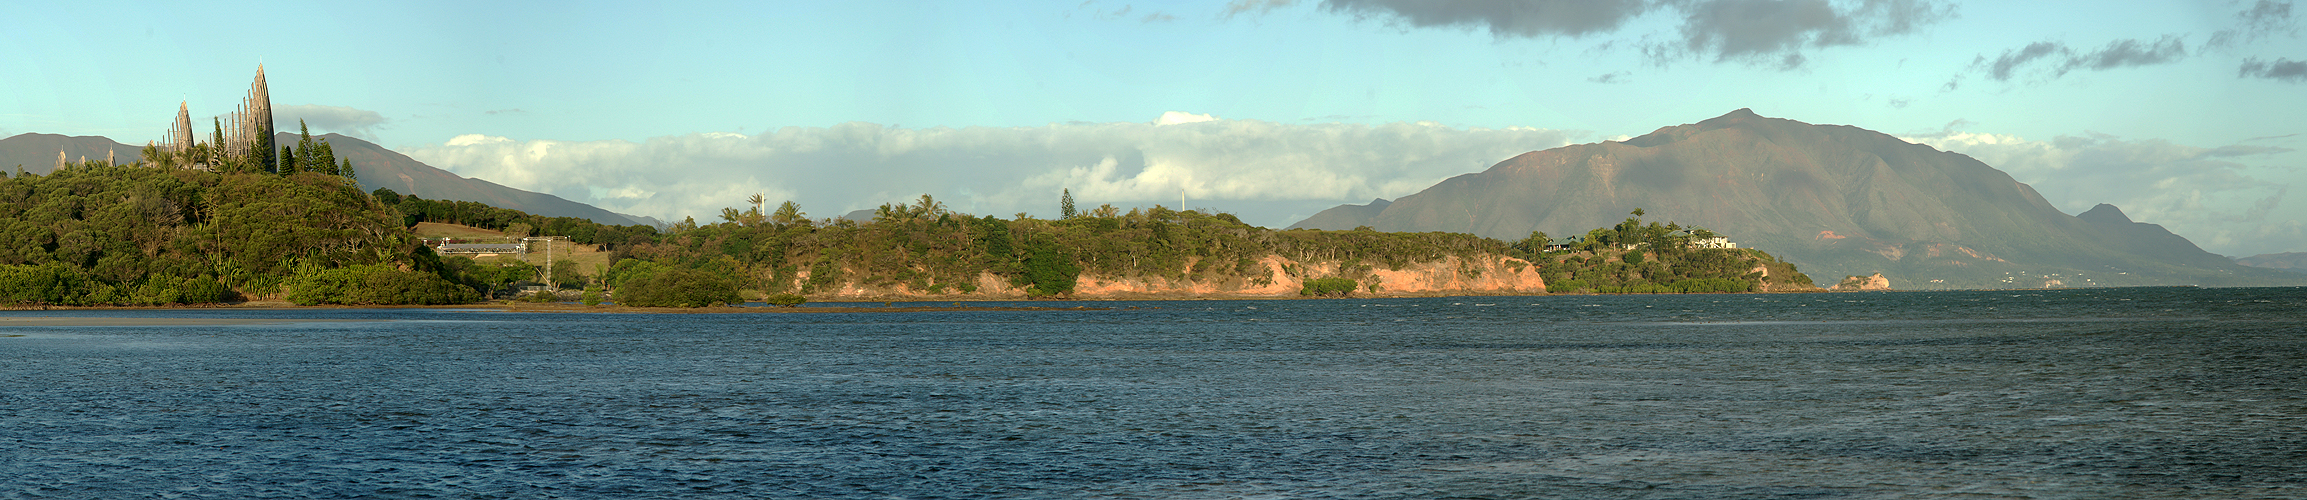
(572, 307)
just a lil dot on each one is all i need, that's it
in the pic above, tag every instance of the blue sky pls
(2181, 112)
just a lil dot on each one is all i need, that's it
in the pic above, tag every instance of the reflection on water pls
(2137, 393)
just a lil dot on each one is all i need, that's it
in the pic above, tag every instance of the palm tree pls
(789, 213)
(928, 207)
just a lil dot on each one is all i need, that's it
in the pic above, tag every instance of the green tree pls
(1328, 287)
(1050, 272)
(680, 288)
(1065, 205)
(324, 160)
(789, 213)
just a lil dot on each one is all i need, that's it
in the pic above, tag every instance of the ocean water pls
(2109, 393)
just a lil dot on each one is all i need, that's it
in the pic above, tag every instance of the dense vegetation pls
(100, 234)
(1635, 258)
(95, 234)
(925, 248)
(412, 210)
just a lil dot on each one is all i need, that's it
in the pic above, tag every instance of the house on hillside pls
(1715, 242)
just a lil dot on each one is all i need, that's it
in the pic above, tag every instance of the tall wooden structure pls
(247, 132)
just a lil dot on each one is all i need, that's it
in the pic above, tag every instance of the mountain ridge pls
(1837, 200)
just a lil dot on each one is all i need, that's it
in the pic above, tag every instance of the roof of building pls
(482, 247)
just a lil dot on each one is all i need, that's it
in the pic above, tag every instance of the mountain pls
(377, 166)
(1835, 200)
(2288, 261)
(380, 167)
(36, 153)
(1343, 217)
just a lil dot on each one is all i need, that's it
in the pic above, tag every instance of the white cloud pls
(1270, 173)
(1181, 117)
(358, 123)
(2228, 200)
(476, 139)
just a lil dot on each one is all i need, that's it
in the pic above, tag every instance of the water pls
(2126, 393)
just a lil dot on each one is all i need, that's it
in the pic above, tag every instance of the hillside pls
(923, 251)
(36, 153)
(385, 168)
(2288, 261)
(377, 166)
(1836, 200)
(1343, 217)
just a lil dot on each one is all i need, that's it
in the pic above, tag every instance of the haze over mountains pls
(1835, 200)
(377, 167)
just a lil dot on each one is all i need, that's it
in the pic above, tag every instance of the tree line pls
(94, 234)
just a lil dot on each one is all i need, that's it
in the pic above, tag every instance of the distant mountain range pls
(377, 167)
(36, 153)
(1835, 200)
(2288, 261)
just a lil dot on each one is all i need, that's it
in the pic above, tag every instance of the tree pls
(323, 161)
(1637, 211)
(928, 207)
(307, 154)
(789, 213)
(679, 288)
(288, 161)
(1329, 287)
(1537, 242)
(1065, 205)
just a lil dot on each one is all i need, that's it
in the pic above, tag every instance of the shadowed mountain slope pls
(1344, 217)
(2288, 261)
(1835, 200)
(380, 167)
(37, 152)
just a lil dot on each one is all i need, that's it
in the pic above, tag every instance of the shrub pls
(679, 288)
(1326, 287)
(1050, 272)
(592, 295)
(785, 300)
(374, 285)
(51, 283)
(205, 290)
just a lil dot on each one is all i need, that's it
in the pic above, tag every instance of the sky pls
(2182, 113)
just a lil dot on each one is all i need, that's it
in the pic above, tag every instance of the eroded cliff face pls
(1449, 275)
(1863, 283)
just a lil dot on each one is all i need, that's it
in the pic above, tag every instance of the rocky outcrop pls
(1487, 275)
(1863, 283)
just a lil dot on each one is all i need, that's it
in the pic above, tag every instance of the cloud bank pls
(1768, 32)
(358, 123)
(2052, 59)
(1269, 173)
(2282, 70)
(2228, 199)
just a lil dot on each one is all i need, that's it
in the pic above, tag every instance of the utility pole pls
(549, 284)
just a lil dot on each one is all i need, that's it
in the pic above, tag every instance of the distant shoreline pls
(7, 320)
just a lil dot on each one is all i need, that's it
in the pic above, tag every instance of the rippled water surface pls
(2139, 393)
